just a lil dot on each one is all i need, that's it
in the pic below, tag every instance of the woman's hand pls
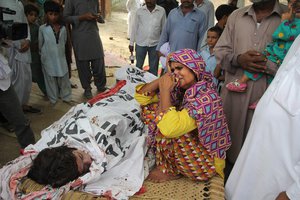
(167, 82)
(166, 85)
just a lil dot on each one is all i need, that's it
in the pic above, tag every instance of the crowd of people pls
(225, 104)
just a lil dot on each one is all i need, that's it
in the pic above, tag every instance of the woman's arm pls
(146, 93)
(175, 123)
(166, 85)
(151, 87)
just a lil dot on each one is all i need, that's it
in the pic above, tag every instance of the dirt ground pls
(115, 43)
(114, 38)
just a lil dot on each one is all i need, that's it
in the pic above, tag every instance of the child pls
(32, 13)
(283, 38)
(165, 50)
(222, 13)
(213, 34)
(52, 40)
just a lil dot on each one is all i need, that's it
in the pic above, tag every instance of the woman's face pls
(83, 161)
(183, 75)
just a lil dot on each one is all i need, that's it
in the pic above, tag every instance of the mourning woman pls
(188, 132)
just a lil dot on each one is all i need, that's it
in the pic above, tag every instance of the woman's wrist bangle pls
(159, 117)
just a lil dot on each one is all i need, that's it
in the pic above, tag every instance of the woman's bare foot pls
(158, 176)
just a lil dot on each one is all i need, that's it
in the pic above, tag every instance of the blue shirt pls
(183, 31)
(210, 62)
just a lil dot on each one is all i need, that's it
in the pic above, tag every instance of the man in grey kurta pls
(244, 38)
(184, 28)
(88, 49)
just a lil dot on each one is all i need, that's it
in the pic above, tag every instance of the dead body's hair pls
(54, 166)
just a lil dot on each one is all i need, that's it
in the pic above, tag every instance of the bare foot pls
(158, 176)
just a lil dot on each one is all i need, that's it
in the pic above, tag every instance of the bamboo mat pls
(179, 189)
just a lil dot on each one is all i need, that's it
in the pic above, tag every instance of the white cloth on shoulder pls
(269, 162)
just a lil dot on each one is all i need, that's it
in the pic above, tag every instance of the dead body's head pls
(59, 165)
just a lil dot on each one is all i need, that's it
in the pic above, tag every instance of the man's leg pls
(98, 67)
(84, 73)
(85, 76)
(141, 53)
(4, 123)
(153, 60)
(11, 109)
(65, 91)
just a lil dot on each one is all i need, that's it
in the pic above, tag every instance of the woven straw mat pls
(179, 189)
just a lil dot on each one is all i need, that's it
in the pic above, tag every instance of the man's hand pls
(217, 71)
(159, 54)
(25, 45)
(88, 17)
(130, 47)
(252, 61)
(282, 196)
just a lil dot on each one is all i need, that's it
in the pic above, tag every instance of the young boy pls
(207, 53)
(52, 40)
(32, 13)
(222, 13)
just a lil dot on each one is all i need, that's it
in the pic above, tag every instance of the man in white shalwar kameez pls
(132, 6)
(19, 53)
(19, 57)
(268, 166)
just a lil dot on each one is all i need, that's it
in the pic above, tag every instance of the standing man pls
(88, 49)
(10, 106)
(148, 25)
(131, 6)
(240, 47)
(269, 162)
(19, 57)
(185, 28)
(168, 5)
(208, 8)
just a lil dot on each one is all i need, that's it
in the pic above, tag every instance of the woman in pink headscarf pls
(188, 131)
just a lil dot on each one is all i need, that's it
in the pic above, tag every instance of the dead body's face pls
(83, 161)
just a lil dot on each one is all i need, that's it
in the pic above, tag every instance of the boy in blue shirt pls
(207, 53)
